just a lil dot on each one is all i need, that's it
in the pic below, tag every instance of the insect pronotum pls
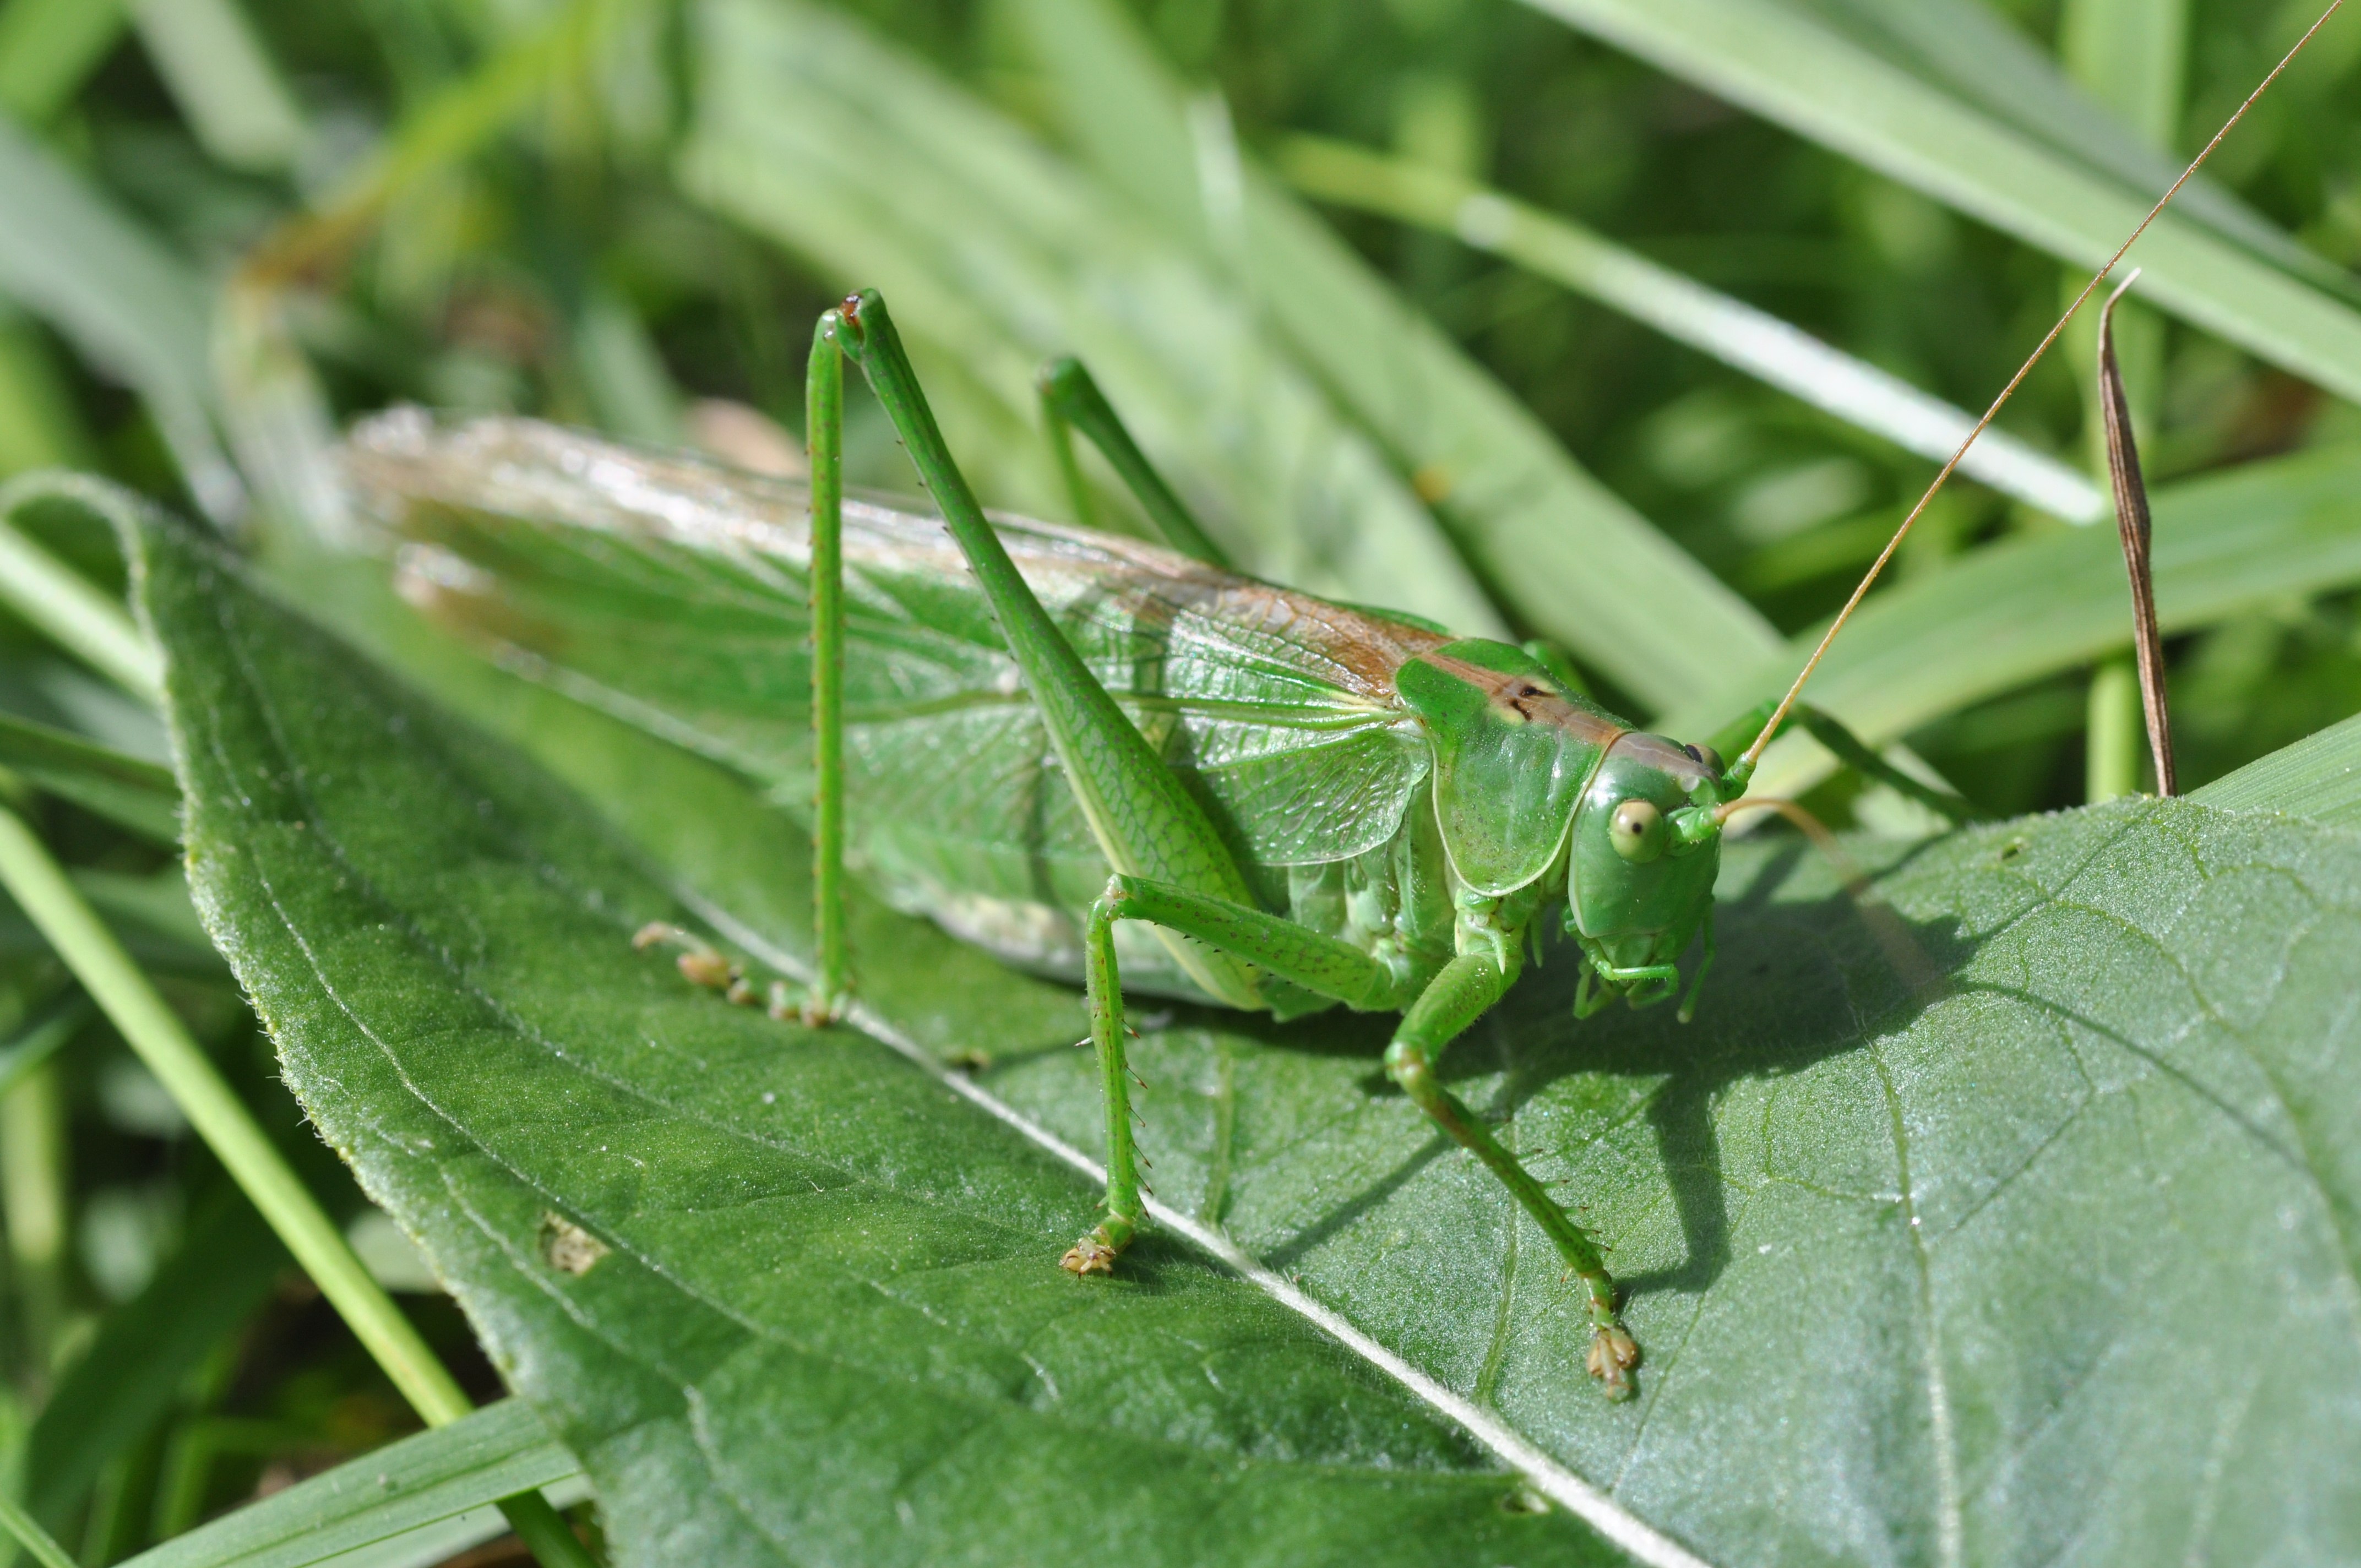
(1098, 758)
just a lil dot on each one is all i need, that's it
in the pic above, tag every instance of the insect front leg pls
(1468, 985)
(1438, 1013)
(1705, 962)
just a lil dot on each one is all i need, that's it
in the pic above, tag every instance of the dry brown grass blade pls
(2131, 521)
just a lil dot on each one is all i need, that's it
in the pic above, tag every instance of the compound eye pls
(1707, 758)
(1637, 830)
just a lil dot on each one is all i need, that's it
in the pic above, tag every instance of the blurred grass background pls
(226, 225)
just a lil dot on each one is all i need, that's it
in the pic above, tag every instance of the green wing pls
(671, 591)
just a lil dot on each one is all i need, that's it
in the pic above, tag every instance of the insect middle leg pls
(1072, 400)
(1437, 1014)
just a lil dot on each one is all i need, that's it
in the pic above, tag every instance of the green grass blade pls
(625, 376)
(276, 413)
(1730, 330)
(1530, 519)
(156, 1033)
(2133, 56)
(1966, 47)
(48, 49)
(224, 81)
(55, 598)
(998, 256)
(453, 124)
(2318, 777)
(157, 904)
(32, 1537)
(1779, 63)
(275, 409)
(402, 1503)
(156, 1036)
(130, 792)
(40, 1040)
(2012, 613)
(134, 1369)
(133, 308)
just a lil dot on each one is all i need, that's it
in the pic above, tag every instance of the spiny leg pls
(1705, 962)
(824, 426)
(1103, 985)
(1145, 821)
(1455, 998)
(831, 990)
(1467, 986)
(699, 962)
(1060, 432)
(1071, 400)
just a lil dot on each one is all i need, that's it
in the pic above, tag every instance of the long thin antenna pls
(1754, 753)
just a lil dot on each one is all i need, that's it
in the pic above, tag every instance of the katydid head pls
(1646, 845)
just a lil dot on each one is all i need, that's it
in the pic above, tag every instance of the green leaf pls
(996, 256)
(1777, 61)
(415, 1502)
(2012, 613)
(1530, 518)
(831, 1310)
(2055, 1249)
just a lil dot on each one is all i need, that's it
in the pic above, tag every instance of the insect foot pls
(1096, 1253)
(698, 960)
(1613, 1354)
(804, 1004)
